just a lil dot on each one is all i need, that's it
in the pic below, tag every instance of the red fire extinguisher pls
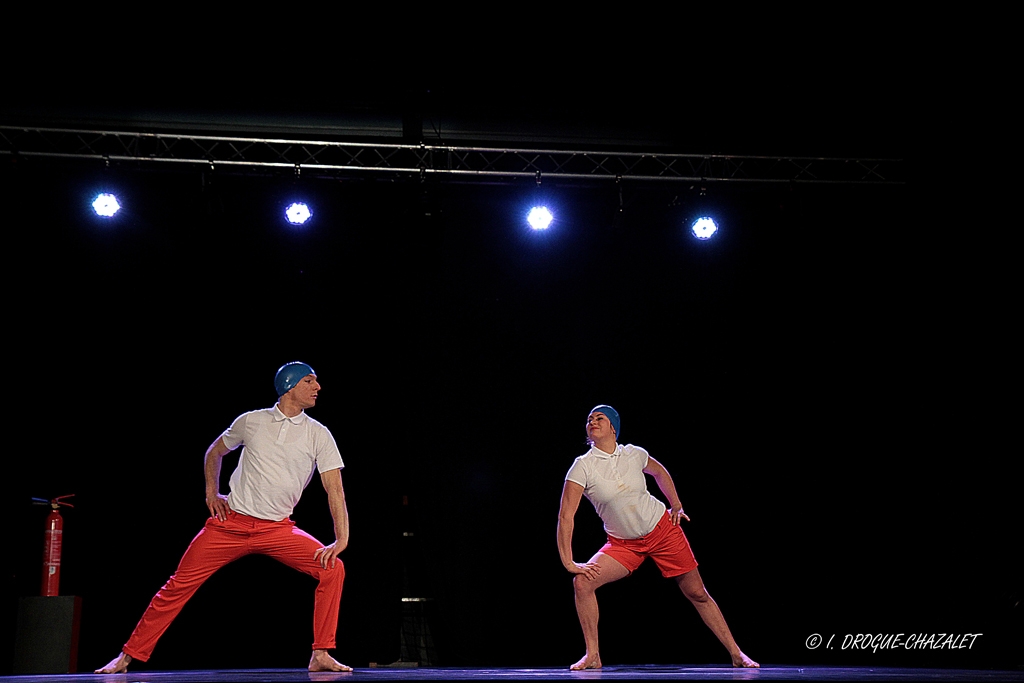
(52, 544)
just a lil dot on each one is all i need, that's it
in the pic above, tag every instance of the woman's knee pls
(694, 591)
(582, 584)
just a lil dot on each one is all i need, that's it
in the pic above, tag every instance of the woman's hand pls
(676, 514)
(590, 569)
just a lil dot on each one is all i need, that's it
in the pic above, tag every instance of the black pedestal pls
(47, 640)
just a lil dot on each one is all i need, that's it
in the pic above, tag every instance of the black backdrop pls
(805, 376)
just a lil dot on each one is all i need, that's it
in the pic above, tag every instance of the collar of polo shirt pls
(601, 454)
(278, 416)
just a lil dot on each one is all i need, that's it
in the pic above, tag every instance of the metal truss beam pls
(339, 159)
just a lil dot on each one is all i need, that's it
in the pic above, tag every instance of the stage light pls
(105, 205)
(704, 227)
(539, 218)
(298, 213)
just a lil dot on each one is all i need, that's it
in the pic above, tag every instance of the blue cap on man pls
(611, 414)
(288, 375)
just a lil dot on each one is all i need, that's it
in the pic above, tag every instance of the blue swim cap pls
(288, 375)
(611, 414)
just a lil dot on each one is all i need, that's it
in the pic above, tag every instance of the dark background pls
(818, 378)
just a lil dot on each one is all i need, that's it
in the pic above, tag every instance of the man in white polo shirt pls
(282, 447)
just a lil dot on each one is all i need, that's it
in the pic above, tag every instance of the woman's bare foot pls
(743, 661)
(587, 662)
(321, 661)
(117, 665)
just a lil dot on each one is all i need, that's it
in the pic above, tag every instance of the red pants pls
(221, 542)
(666, 545)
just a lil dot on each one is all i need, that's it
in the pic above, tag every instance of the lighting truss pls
(340, 159)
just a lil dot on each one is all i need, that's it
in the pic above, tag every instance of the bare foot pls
(117, 665)
(743, 661)
(321, 661)
(587, 662)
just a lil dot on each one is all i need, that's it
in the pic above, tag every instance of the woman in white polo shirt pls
(638, 525)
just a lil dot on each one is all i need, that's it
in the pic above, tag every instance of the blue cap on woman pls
(611, 414)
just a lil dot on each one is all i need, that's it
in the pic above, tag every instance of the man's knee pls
(335, 574)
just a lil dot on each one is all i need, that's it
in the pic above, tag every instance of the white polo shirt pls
(277, 462)
(617, 487)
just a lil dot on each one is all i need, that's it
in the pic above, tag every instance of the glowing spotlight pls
(704, 227)
(105, 205)
(539, 218)
(298, 213)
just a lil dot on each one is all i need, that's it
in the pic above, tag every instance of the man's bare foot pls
(587, 662)
(743, 661)
(321, 661)
(117, 665)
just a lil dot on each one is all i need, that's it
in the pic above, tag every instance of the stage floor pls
(641, 673)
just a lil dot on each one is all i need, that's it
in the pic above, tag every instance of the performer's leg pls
(294, 547)
(586, 605)
(693, 588)
(216, 545)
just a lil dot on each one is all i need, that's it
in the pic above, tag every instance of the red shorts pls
(666, 545)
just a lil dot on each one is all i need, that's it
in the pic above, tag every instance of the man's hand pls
(328, 555)
(218, 506)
